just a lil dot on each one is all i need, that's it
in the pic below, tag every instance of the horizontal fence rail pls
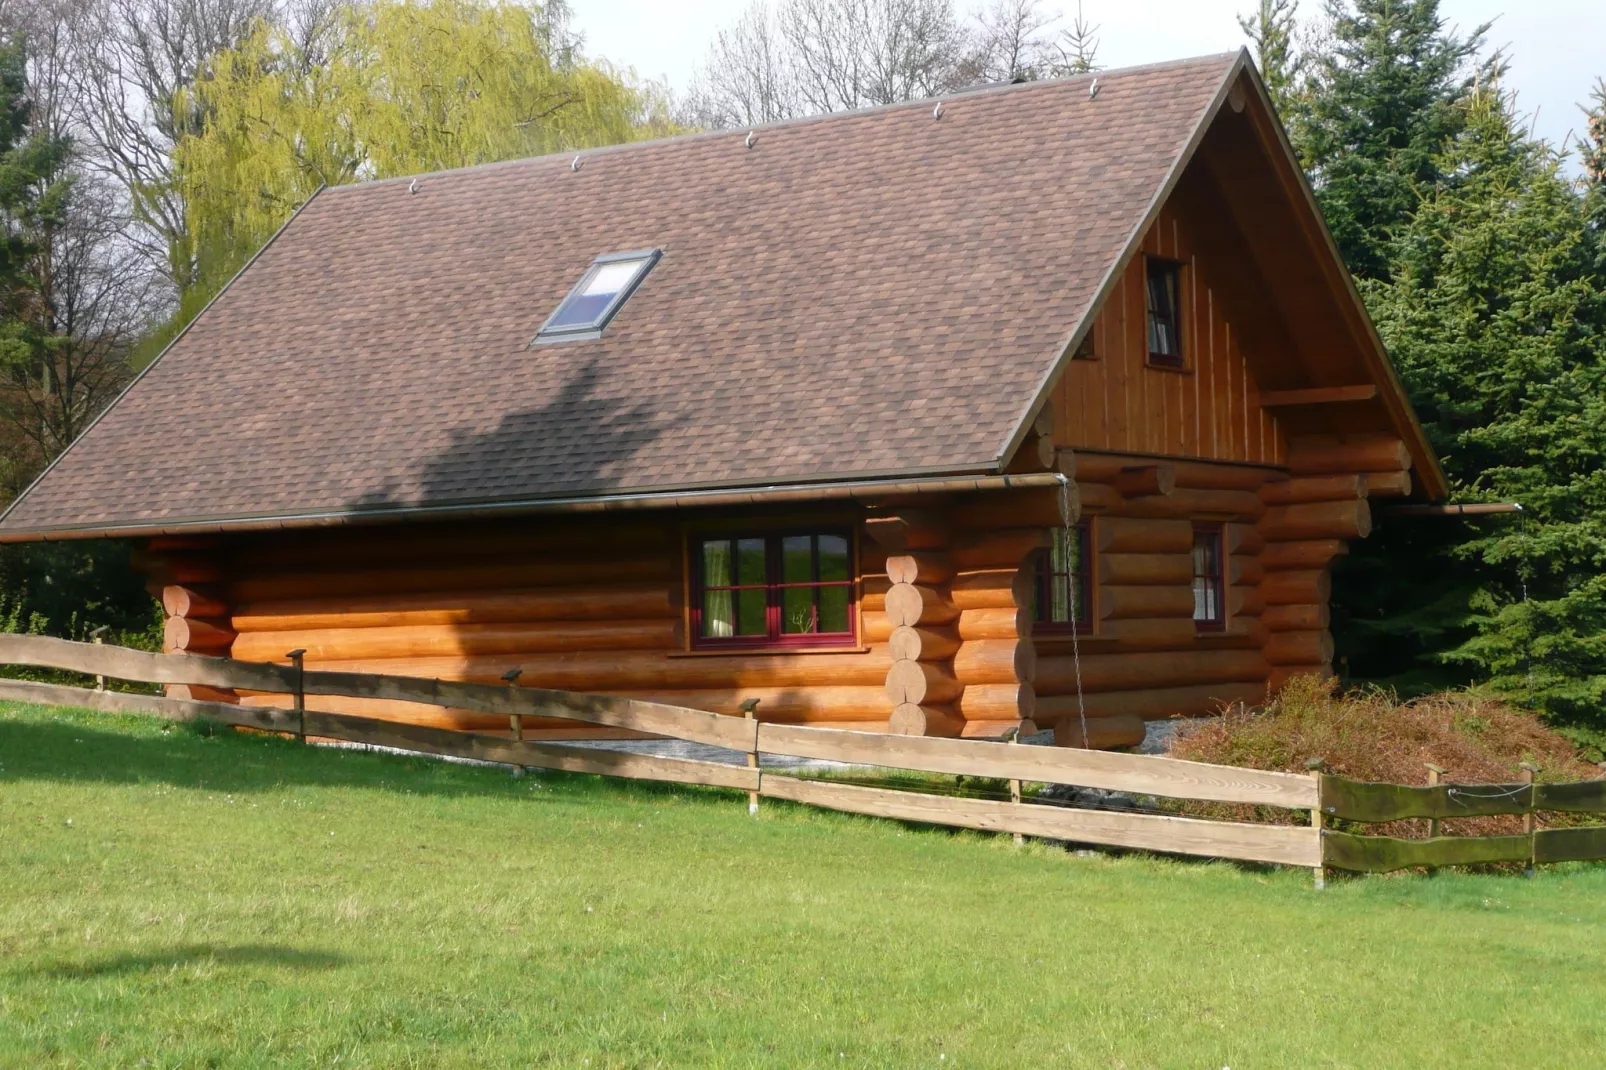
(1369, 803)
(1327, 797)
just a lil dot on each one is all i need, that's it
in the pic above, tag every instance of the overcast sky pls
(1556, 46)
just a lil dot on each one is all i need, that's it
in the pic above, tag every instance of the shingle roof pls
(876, 293)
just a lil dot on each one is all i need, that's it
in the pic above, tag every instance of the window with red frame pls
(1063, 581)
(1209, 586)
(773, 590)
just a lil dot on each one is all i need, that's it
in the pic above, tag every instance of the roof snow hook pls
(936, 113)
(1093, 90)
(574, 164)
(748, 141)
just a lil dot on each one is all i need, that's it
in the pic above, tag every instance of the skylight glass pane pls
(599, 294)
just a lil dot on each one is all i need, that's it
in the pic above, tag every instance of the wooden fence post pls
(1434, 773)
(749, 710)
(515, 721)
(297, 657)
(1014, 785)
(1528, 772)
(94, 637)
(1319, 873)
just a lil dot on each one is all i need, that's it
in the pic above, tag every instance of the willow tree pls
(389, 88)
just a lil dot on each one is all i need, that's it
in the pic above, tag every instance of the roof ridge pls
(798, 121)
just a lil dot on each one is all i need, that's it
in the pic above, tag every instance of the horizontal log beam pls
(1318, 395)
(1125, 672)
(1127, 535)
(909, 719)
(923, 644)
(921, 683)
(181, 601)
(1145, 569)
(461, 640)
(1317, 520)
(1146, 481)
(909, 604)
(196, 636)
(1322, 454)
(1305, 554)
(1332, 488)
(530, 605)
(1152, 704)
(1099, 733)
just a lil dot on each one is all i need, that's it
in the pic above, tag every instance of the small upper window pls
(591, 304)
(1165, 313)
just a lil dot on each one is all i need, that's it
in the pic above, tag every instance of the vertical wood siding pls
(1208, 410)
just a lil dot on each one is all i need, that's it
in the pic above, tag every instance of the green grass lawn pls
(173, 899)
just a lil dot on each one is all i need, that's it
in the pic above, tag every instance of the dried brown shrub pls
(1368, 734)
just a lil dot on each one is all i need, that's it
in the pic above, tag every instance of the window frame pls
(1218, 623)
(1042, 583)
(1177, 361)
(774, 637)
(594, 327)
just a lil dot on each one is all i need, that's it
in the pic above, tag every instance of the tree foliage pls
(1379, 104)
(1496, 317)
(391, 88)
(1482, 265)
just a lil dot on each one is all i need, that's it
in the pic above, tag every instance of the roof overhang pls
(1243, 91)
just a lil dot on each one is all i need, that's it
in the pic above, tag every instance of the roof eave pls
(864, 491)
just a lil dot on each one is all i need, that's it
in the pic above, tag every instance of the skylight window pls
(601, 291)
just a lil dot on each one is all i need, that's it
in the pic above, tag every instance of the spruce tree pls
(1380, 110)
(1271, 29)
(1495, 315)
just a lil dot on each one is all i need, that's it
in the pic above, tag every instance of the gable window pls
(1064, 580)
(790, 589)
(1165, 312)
(1209, 579)
(598, 296)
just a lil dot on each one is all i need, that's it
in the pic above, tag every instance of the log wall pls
(590, 606)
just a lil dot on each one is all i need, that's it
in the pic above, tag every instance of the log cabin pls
(1036, 406)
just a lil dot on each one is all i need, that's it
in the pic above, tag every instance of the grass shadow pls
(190, 955)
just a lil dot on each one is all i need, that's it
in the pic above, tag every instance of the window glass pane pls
(1060, 590)
(1163, 287)
(586, 306)
(797, 610)
(611, 278)
(797, 559)
(750, 561)
(1207, 579)
(717, 623)
(750, 606)
(716, 563)
(834, 609)
(833, 559)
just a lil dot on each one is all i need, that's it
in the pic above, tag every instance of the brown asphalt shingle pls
(866, 294)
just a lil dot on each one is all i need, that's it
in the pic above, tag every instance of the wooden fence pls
(1310, 845)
